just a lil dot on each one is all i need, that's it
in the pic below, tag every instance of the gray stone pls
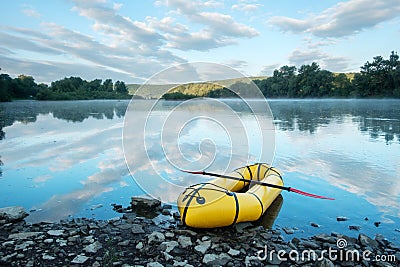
(145, 203)
(341, 218)
(366, 241)
(137, 229)
(9, 257)
(24, 235)
(181, 264)
(288, 230)
(233, 252)
(96, 264)
(8, 243)
(93, 248)
(154, 264)
(381, 240)
(139, 245)
(274, 260)
(325, 238)
(184, 241)
(355, 227)
(239, 227)
(47, 257)
(48, 240)
(202, 246)
(315, 225)
(123, 243)
(167, 256)
(325, 263)
(126, 226)
(309, 244)
(168, 246)
(210, 259)
(55, 232)
(249, 260)
(80, 259)
(61, 242)
(12, 214)
(169, 234)
(223, 259)
(156, 236)
(88, 239)
(185, 232)
(24, 245)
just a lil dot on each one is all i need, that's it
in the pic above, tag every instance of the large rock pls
(93, 248)
(213, 259)
(24, 235)
(140, 203)
(202, 246)
(366, 241)
(80, 259)
(12, 214)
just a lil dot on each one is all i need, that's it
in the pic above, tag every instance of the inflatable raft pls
(224, 202)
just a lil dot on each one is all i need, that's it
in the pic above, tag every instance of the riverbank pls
(134, 240)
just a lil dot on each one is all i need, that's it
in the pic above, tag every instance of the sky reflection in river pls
(65, 158)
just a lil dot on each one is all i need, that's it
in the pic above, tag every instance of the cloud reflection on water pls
(354, 147)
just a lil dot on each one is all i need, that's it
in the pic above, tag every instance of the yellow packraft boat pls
(224, 202)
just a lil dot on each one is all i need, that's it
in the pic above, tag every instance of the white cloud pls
(30, 11)
(218, 29)
(300, 57)
(342, 19)
(246, 7)
(268, 70)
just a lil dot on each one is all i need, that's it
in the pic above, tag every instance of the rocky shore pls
(136, 240)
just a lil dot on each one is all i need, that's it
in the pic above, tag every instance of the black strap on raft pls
(237, 208)
(259, 201)
(188, 203)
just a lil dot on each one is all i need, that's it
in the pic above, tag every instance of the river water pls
(63, 159)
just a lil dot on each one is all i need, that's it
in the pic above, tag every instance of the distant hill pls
(195, 89)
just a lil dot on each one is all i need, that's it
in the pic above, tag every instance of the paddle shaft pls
(246, 180)
(290, 189)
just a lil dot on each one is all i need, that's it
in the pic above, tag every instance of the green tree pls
(314, 82)
(341, 85)
(5, 87)
(107, 85)
(24, 87)
(120, 88)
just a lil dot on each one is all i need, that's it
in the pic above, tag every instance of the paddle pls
(289, 189)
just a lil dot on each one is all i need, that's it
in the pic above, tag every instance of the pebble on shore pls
(132, 240)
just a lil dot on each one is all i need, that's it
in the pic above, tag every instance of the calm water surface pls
(63, 159)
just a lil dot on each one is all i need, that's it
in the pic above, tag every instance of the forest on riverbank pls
(72, 88)
(377, 79)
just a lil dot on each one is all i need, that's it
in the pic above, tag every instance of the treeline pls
(72, 88)
(379, 78)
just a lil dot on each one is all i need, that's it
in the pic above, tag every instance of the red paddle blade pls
(308, 194)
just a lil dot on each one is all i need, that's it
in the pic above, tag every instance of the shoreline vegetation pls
(377, 79)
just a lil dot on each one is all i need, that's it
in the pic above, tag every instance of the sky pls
(133, 40)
